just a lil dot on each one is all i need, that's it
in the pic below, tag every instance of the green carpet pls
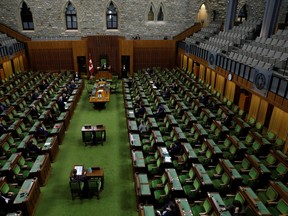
(118, 197)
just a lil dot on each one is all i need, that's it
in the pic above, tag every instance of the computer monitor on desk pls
(79, 169)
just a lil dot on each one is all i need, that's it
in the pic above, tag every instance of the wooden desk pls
(51, 146)
(132, 126)
(146, 210)
(41, 169)
(103, 73)
(138, 161)
(27, 197)
(183, 206)
(142, 188)
(203, 177)
(58, 130)
(130, 114)
(100, 93)
(94, 129)
(96, 172)
(189, 151)
(152, 123)
(218, 204)
(253, 201)
(175, 184)
(135, 141)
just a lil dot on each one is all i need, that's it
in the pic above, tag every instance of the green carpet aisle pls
(118, 197)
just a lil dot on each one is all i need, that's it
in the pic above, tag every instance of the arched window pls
(26, 17)
(71, 17)
(151, 14)
(160, 16)
(111, 17)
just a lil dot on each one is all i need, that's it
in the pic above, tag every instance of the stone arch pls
(161, 8)
(203, 14)
(151, 9)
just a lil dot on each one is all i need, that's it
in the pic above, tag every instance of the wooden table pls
(100, 93)
(94, 129)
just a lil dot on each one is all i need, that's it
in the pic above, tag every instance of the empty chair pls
(76, 189)
(94, 187)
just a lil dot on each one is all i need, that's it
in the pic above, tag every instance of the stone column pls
(230, 14)
(270, 17)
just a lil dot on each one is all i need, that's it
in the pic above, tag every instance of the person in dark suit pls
(35, 95)
(43, 85)
(76, 76)
(61, 104)
(236, 208)
(6, 201)
(34, 112)
(160, 112)
(169, 209)
(42, 132)
(33, 148)
(140, 111)
(227, 121)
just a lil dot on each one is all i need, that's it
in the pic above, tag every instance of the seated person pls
(170, 209)
(34, 111)
(166, 93)
(43, 85)
(174, 87)
(33, 148)
(75, 177)
(140, 111)
(142, 127)
(72, 86)
(160, 112)
(78, 178)
(61, 104)
(204, 99)
(236, 208)
(42, 132)
(6, 201)
(35, 95)
(136, 102)
(174, 149)
(227, 120)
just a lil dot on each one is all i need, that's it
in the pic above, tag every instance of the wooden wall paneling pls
(190, 64)
(278, 100)
(79, 48)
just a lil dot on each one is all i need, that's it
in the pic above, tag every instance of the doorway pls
(81, 60)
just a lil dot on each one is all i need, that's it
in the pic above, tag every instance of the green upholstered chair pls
(281, 208)
(76, 188)
(6, 188)
(251, 178)
(206, 159)
(244, 166)
(241, 113)
(280, 173)
(279, 143)
(251, 121)
(270, 161)
(203, 208)
(259, 127)
(153, 168)
(192, 190)
(159, 181)
(229, 103)
(25, 163)
(7, 150)
(161, 195)
(20, 175)
(187, 176)
(222, 184)
(216, 172)
(94, 187)
(202, 150)
(249, 140)
(152, 158)
(267, 195)
(181, 162)
(271, 136)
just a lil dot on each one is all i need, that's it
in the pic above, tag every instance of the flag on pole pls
(91, 67)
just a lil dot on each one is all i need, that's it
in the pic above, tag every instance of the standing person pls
(61, 104)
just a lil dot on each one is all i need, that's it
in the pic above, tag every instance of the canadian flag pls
(91, 68)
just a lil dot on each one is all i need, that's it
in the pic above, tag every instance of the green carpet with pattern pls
(118, 197)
